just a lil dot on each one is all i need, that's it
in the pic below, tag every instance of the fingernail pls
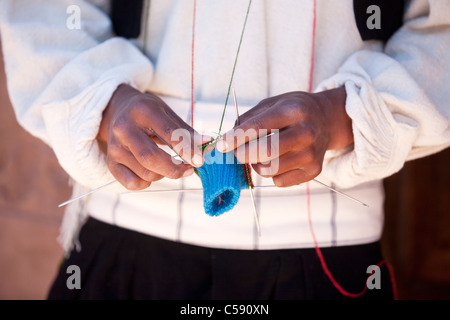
(268, 171)
(197, 160)
(265, 171)
(188, 172)
(206, 139)
(221, 146)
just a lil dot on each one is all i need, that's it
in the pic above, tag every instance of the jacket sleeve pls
(398, 99)
(61, 77)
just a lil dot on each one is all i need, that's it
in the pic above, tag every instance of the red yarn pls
(325, 267)
(248, 175)
(192, 62)
(308, 201)
(308, 196)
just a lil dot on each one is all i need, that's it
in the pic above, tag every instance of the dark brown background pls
(416, 238)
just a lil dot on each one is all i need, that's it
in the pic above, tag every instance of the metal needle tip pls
(255, 212)
(85, 194)
(341, 193)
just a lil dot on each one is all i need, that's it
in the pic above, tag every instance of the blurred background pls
(416, 239)
(31, 186)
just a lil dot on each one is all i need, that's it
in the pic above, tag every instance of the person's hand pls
(309, 125)
(127, 135)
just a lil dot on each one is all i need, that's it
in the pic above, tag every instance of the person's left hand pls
(309, 124)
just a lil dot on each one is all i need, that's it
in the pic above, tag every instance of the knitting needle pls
(341, 193)
(85, 194)
(255, 212)
(182, 190)
(161, 138)
(195, 189)
(114, 181)
(256, 187)
(323, 184)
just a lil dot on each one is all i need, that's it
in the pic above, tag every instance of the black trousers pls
(116, 263)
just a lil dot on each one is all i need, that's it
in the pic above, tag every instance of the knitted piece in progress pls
(222, 179)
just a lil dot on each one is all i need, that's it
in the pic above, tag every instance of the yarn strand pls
(192, 62)
(234, 66)
(308, 203)
(327, 270)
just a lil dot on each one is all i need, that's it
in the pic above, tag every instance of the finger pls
(294, 177)
(304, 160)
(153, 158)
(170, 128)
(202, 138)
(190, 151)
(189, 146)
(269, 147)
(126, 177)
(263, 149)
(280, 116)
(262, 106)
(118, 154)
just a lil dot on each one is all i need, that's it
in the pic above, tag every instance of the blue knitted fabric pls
(221, 174)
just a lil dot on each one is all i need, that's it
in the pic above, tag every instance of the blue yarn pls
(223, 175)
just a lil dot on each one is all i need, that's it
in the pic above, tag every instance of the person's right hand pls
(127, 136)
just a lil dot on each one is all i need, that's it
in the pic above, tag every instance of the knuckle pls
(315, 170)
(256, 123)
(145, 157)
(308, 134)
(280, 181)
(309, 157)
(148, 175)
(135, 184)
(138, 106)
(120, 127)
(111, 164)
(114, 151)
(292, 111)
(138, 109)
(143, 110)
(174, 172)
(167, 131)
(129, 181)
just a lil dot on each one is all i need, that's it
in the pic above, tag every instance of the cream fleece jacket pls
(61, 79)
